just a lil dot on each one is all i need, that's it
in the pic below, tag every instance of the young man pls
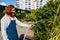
(8, 24)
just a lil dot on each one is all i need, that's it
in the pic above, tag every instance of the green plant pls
(48, 27)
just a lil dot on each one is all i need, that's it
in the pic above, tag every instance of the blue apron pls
(12, 31)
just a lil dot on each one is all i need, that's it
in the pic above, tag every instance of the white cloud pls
(3, 4)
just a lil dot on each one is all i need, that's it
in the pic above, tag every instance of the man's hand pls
(29, 26)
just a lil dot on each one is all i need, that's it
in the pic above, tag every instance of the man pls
(8, 24)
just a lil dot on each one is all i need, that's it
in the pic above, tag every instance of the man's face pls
(13, 12)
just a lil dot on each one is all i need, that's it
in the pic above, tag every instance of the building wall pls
(18, 3)
(28, 4)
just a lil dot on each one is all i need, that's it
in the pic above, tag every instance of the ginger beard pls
(12, 13)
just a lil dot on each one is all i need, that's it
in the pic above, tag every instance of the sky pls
(8, 2)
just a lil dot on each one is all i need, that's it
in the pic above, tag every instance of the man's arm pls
(3, 30)
(20, 23)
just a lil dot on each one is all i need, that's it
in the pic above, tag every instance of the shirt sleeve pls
(3, 30)
(20, 23)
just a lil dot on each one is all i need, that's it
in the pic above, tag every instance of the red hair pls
(8, 9)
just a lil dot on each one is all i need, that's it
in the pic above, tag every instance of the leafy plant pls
(47, 28)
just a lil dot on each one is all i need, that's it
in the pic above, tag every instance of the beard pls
(12, 14)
